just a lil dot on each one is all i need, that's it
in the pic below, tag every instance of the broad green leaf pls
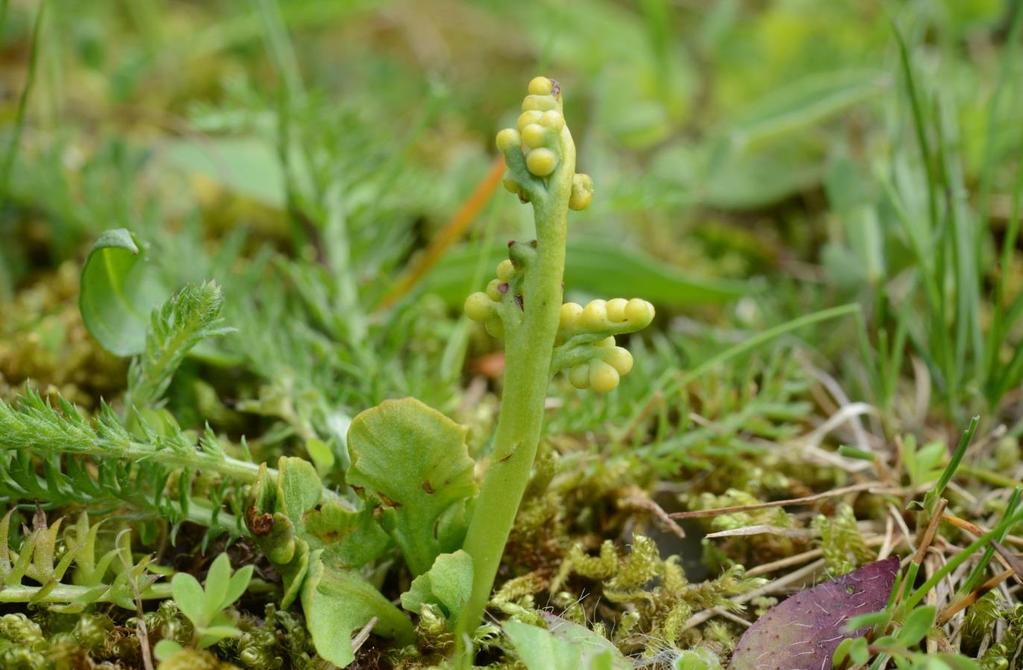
(119, 290)
(541, 649)
(737, 178)
(321, 454)
(608, 269)
(349, 539)
(447, 583)
(214, 634)
(859, 651)
(853, 198)
(766, 154)
(879, 619)
(190, 597)
(800, 104)
(925, 463)
(291, 518)
(298, 488)
(842, 652)
(583, 638)
(593, 266)
(414, 460)
(246, 166)
(337, 603)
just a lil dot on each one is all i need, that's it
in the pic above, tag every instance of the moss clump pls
(651, 598)
(841, 541)
(1000, 655)
(43, 339)
(21, 643)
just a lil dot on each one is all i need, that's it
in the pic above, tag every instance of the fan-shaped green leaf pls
(413, 459)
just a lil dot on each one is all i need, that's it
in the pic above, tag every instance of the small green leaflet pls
(447, 584)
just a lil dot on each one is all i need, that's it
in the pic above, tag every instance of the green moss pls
(841, 541)
(1000, 655)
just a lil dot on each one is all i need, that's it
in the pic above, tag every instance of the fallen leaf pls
(802, 632)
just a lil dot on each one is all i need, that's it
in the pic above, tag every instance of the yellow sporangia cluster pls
(482, 306)
(609, 362)
(537, 134)
(540, 156)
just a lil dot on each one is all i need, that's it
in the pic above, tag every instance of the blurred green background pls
(754, 161)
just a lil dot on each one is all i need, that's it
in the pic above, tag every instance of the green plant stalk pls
(231, 468)
(70, 593)
(528, 353)
(931, 498)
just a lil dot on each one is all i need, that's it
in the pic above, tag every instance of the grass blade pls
(19, 118)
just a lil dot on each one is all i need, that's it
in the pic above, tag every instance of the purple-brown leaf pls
(802, 632)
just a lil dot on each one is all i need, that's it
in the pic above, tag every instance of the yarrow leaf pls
(187, 318)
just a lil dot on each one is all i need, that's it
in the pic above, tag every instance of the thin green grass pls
(671, 382)
(18, 127)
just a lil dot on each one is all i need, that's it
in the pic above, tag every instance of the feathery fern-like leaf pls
(54, 456)
(186, 319)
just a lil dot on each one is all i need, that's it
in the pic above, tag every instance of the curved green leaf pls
(916, 627)
(119, 290)
(238, 584)
(611, 269)
(414, 460)
(807, 101)
(245, 166)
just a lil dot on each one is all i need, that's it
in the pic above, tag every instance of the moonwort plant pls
(407, 489)
(410, 474)
(542, 336)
